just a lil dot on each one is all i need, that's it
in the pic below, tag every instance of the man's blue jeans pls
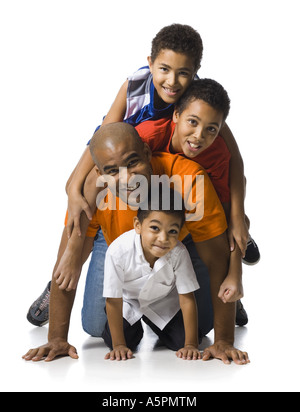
(93, 314)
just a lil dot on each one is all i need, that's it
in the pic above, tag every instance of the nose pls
(124, 176)
(172, 79)
(163, 236)
(199, 134)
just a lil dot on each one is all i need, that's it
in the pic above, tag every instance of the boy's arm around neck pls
(236, 182)
(74, 186)
(86, 164)
(236, 218)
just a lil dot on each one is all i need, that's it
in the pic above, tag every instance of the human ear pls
(97, 171)
(147, 151)
(137, 225)
(175, 116)
(150, 63)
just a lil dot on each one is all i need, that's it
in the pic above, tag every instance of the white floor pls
(271, 341)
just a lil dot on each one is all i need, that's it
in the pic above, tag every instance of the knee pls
(92, 330)
(92, 327)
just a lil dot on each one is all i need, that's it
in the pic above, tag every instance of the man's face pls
(128, 163)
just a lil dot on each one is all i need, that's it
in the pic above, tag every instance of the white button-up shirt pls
(146, 291)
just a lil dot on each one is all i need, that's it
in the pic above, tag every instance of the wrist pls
(235, 274)
(117, 345)
(237, 213)
(57, 337)
(192, 345)
(74, 189)
(224, 342)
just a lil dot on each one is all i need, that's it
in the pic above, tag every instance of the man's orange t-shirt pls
(215, 159)
(210, 221)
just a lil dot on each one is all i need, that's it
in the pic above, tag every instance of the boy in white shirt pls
(149, 275)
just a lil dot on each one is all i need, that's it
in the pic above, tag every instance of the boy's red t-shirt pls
(215, 159)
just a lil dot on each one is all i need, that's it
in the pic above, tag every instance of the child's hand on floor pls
(189, 352)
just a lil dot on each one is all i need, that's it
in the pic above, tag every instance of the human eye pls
(192, 122)
(154, 228)
(173, 232)
(133, 163)
(112, 172)
(212, 130)
(184, 73)
(163, 69)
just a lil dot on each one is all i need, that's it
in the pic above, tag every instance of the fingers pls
(35, 354)
(69, 228)
(223, 292)
(231, 241)
(119, 354)
(88, 211)
(226, 295)
(242, 244)
(206, 355)
(48, 353)
(230, 294)
(39, 354)
(72, 353)
(89, 214)
(237, 356)
(61, 280)
(77, 225)
(188, 354)
(73, 224)
(65, 283)
(74, 219)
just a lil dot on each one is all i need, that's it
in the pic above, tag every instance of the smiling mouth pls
(171, 92)
(160, 247)
(131, 188)
(194, 146)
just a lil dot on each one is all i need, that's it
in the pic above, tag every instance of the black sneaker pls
(38, 313)
(241, 317)
(252, 255)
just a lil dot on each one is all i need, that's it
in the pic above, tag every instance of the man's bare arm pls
(215, 254)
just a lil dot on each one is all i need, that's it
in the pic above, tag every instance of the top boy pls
(175, 59)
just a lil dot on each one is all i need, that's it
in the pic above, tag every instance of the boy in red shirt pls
(193, 132)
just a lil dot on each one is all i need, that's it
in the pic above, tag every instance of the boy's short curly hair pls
(210, 92)
(179, 38)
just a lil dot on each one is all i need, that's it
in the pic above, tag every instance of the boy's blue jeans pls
(93, 314)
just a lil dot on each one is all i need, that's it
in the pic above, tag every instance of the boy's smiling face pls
(159, 234)
(196, 128)
(172, 74)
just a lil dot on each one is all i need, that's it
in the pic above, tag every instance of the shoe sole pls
(250, 263)
(241, 324)
(36, 322)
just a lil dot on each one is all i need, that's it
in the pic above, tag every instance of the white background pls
(62, 63)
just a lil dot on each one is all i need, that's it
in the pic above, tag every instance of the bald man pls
(115, 148)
